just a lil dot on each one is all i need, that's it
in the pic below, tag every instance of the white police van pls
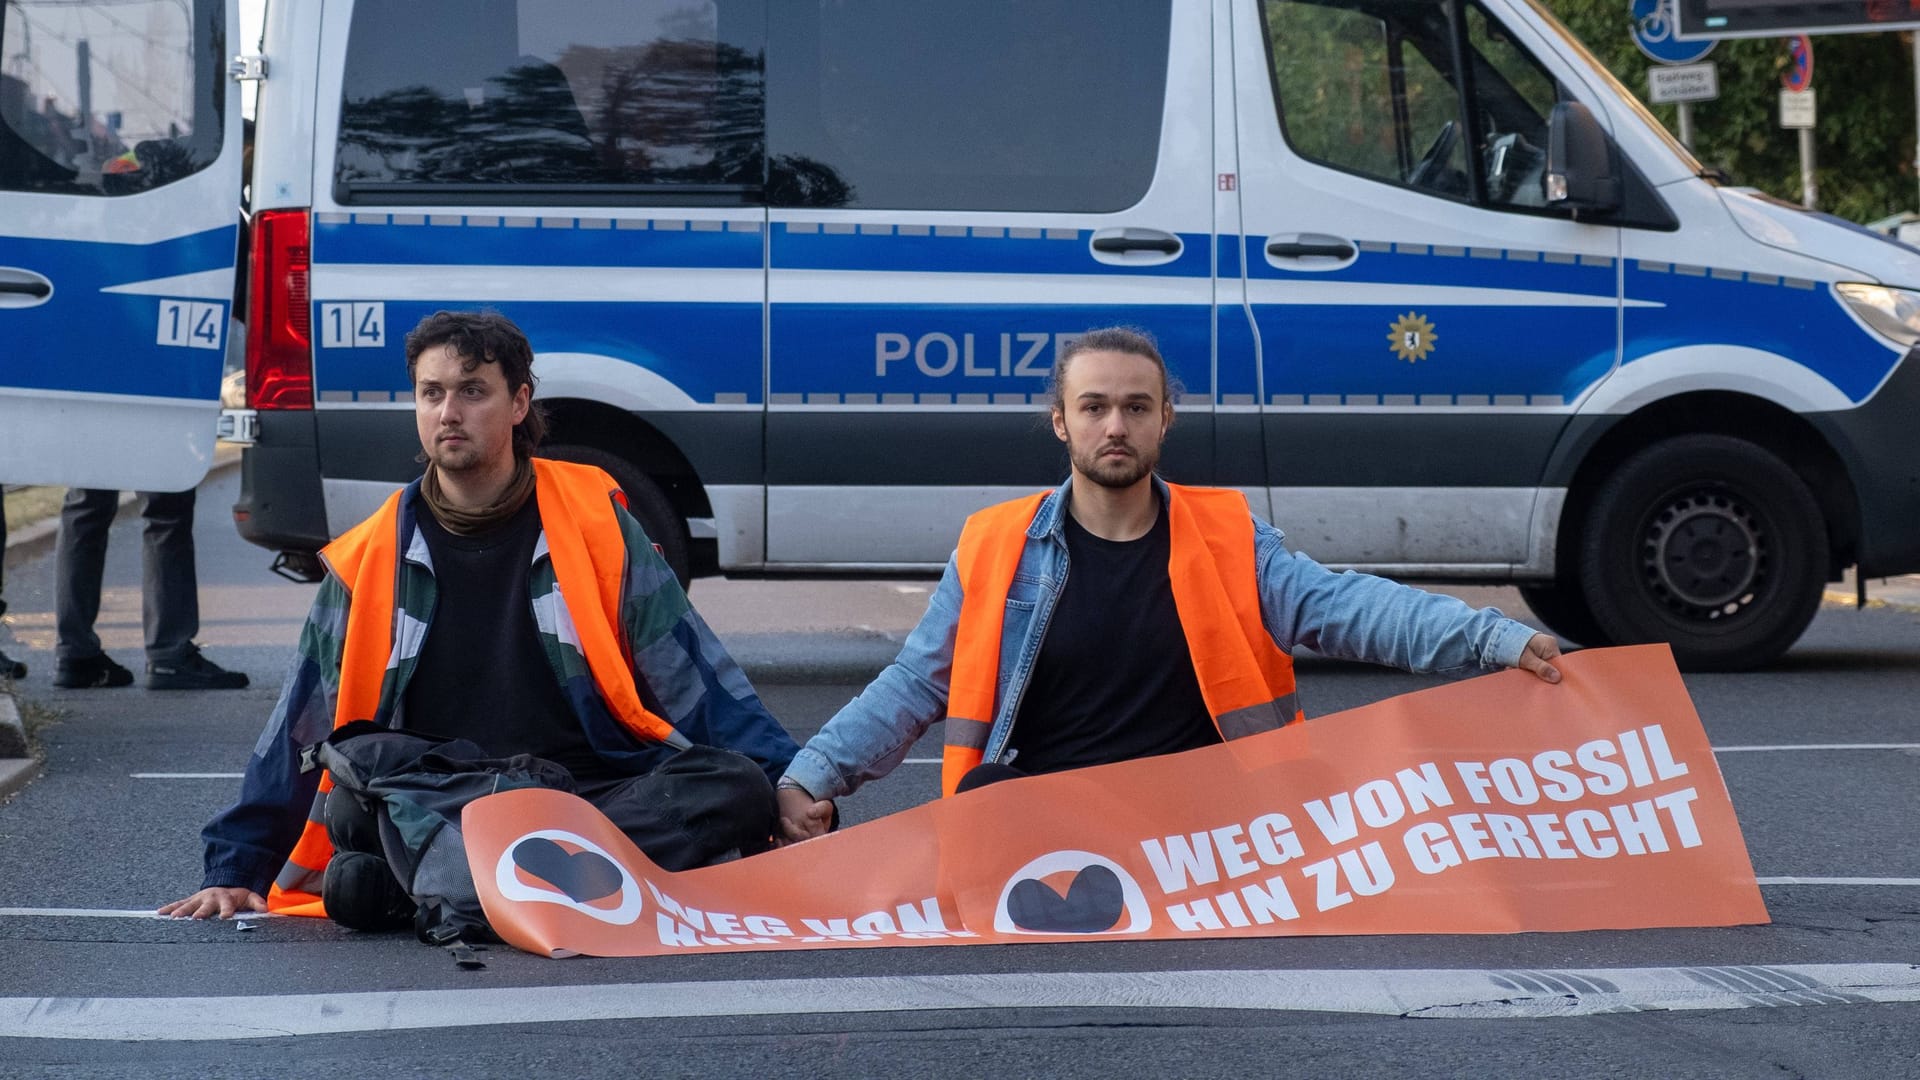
(1447, 302)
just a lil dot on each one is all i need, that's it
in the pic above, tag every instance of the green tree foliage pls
(1864, 142)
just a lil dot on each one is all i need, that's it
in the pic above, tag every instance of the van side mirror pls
(1581, 174)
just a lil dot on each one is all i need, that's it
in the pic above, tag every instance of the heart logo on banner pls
(584, 876)
(1093, 904)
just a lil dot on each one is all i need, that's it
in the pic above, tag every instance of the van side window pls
(1372, 87)
(1515, 96)
(980, 105)
(109, 100)
(508, 100)
(1369, 88)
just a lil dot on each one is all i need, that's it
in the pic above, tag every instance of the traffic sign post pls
(1680, 83)
(1796, 111)
(1799, 73)
(1711, 20)
(1653, 34)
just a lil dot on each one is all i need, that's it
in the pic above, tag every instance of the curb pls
(17, 768)
(1901, 593)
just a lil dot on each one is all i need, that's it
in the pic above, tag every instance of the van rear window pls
(1048, 105)
(506, 100)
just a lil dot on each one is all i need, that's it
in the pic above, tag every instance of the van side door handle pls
(1135, 247)
(1296, 249)
(1138, 240)
(22, 288)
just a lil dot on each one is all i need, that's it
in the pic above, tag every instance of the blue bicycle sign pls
(1653, 29)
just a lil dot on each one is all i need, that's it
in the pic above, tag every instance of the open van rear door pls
(120, 151)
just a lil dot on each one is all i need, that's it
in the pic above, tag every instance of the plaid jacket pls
(684, 674)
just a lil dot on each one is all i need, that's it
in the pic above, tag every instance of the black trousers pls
(169, 589)
(704, 805)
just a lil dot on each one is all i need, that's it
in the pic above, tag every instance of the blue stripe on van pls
(710, 351)
(482, 240)
(1432, 264)
(960, 249)
(1799, 320)
(1341, 355)
(88, 341)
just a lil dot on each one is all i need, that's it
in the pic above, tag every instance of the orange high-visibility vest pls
(1245, 679)
(589, 560)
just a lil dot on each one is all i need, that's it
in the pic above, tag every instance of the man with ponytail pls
(506, 613)
(1120, 616)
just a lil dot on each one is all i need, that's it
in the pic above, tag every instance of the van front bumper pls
(1879, 442)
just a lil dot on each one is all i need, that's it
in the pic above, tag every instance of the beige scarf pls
(467, 522)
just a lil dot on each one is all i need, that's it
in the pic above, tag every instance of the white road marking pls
(936, 761)
(1465, 994)
(1906, 882)
(1817, 746)
(105, 913)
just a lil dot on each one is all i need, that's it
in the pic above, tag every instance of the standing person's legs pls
(169, 586)
(170, 599)
(80, 558)
(702, 805)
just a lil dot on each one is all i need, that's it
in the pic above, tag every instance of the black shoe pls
(90, 673)
(360, 893)
(196, 672)
(11, 668)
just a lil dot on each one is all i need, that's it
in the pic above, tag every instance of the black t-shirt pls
(482, 673)
(1114, 680)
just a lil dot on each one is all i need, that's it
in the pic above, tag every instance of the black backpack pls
(416, 787)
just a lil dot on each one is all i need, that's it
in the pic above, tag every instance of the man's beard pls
(1115, 473)
(455, 458)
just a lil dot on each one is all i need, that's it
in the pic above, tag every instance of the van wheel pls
(645, 501)
(1708, 543)
(1563, 608)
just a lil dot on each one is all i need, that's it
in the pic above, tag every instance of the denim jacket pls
(1348, 616)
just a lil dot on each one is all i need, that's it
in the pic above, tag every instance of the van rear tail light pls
(279, 318)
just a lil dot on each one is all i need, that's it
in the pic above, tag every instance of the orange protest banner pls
(1495, 805)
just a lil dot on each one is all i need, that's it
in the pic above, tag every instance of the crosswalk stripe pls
(1437, 994)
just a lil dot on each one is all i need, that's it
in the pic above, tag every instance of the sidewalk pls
(29, 540)
(1899, 593)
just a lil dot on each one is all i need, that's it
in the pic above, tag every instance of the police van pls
(1446, 301)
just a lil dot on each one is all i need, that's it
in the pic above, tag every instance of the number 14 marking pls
(191, 324)
(353, 326)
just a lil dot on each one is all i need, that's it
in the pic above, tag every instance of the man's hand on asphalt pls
(207, 903)
(803, 817)
(1541, 650)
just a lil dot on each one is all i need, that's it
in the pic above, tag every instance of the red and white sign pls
(1799, 74)
(1496, 805)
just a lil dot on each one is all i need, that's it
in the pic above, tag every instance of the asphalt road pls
(121, 992)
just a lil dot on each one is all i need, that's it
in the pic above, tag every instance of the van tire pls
(1562, 608)
(648, 504)
(1709, 543)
